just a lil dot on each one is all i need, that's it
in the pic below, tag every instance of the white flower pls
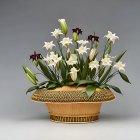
(119, 66)
(62, 21)
(72, 60)
(82, 42)
(56, 33)
(94, 64)
(92, 53)
(106, 61)
(82, 50)
(73, 73)
(53, 59)
(49, 45)
(66, 41)
(112, 37)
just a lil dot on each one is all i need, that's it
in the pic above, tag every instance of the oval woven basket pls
(71, 104)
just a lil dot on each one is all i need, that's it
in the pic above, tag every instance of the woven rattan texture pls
(44, 95)
(74, 119)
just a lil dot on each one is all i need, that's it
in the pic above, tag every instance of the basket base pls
(84, 119)
(76, 112)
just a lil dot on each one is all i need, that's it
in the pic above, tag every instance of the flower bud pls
(92, 53)
(64, 26)
(75, 36)
(73, 73)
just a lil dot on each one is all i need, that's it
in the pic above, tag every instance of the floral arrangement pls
(76, 62)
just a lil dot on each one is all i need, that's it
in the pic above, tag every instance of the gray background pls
(25, 25)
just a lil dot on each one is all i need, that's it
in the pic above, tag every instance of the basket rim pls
(74, 102)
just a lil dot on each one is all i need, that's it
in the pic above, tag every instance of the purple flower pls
(77, 30)
(35, 56)
(93, 38)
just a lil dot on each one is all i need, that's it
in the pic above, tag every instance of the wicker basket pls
(71, 104)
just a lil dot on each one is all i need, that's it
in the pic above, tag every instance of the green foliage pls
(105, 75)
(120, 56)
(124, 77)
(90, 90)
(115, 88)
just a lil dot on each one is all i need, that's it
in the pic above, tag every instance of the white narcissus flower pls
(73, 73)
(119, 66)
(112, 37)
(56, 33)
(82, 49)
(49, 45)
(106, 61)
(72, 60)
(53, 59)
(66, 41)
(94, 64)
(92, 53)
(83, 42)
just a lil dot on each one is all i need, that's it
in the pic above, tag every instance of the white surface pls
(41, 128)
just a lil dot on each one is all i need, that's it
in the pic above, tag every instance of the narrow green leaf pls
(90, 90)
(42, 83)
(32, 80)
(51, 86)
(83, 82)
(63, 70)
(115, 88)
(30, 73)
(31, 89)
(85, 70)
(92, 72)
(109, 49)
(120, 56)
(124, 77)
(105, 75)
(101, 71)
(96, 53)
(45, 70)
(70, 83)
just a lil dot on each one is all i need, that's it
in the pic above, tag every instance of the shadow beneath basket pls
(117, 117)
(34, 118)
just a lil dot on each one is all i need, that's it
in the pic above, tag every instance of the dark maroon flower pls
(77, 30)
(93, 38)
(35, 56)
(89, 38)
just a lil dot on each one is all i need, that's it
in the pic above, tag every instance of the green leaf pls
(32, 88)
(51, 86)
(83, 82)
(70, 83)
(42, 83)
(32, 80)
(101, 71)
(30, 73)
(124, 77)
(92, 72)
(96, 53)
(45, 70)
(63, 70)
(54, 76)
(115, 88)
(85, 70)
(105, 75)
(90, 90)
(120, 56)
(109, 49)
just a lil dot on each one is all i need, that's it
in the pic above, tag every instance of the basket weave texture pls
(71, 94)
